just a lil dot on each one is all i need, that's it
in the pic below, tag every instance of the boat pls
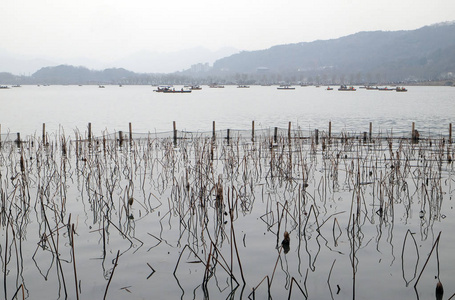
(401, 89)
(243, 87)
(346, 88)
(195, 87)
(4, 87)
(329, 88)
(371, 88)
(386, 89)
(168, 89)
(177, 91)
(162, 88)
(216, 86)
(285, 87)
(101, 86)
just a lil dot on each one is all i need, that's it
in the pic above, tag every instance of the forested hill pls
(427, 52)
(64, 74)
(421, 55)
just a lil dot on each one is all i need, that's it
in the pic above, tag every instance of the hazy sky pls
(111, 29)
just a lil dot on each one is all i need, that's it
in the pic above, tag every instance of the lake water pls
(204, 219)
(25, 109)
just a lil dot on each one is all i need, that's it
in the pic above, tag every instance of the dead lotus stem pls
(20, 288)
(435, 245)
(408, 232)
(293, 280)
(207, 265)
(112, 274)
(180, 257)
(74, 261)
(59, 264)
(229, 271)
(233, 240)
(253, 292)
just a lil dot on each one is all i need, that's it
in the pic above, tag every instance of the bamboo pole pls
(77, 145)
(316, 136)
(228, 133)
(131, 132)
(18, 141)
(252, 131)
(104, 142)
(89, 132)
(371, 131)
(120, 138)
(175, 132)
(289, 131)
(213, 131)
(44, 133)
(275, 135)
(330, 130)
(450, 133)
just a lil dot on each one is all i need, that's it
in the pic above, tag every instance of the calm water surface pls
(349, 206)
(25, 109)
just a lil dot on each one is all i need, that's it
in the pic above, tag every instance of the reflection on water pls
(214, 218)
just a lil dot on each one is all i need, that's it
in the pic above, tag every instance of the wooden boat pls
(177, 91)
(401, 89)
(243, 87)
(162, 88)
(346, 88)
(285, 87)
(386, 89)
(329, 88)
(168, 89)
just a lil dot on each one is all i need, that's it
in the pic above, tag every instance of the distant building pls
(200, 68)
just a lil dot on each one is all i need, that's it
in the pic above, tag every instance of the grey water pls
(164, 238)
(112, 108)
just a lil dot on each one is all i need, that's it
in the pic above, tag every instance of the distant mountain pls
(427, 52)
(140, 62)
(64, 74)
(377, 57)
(155, 62)
(20, 64)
